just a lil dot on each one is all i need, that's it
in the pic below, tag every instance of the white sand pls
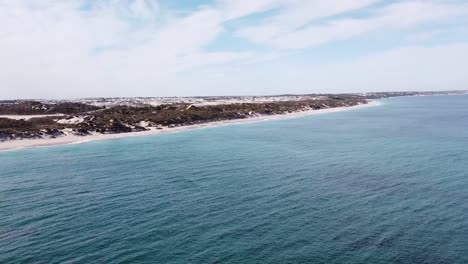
(73, 120)
(72, 139)
(26, 117)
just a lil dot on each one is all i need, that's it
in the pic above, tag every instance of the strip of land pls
(29, 123)
(71, 138)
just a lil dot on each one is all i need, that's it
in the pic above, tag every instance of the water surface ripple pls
(380, 185)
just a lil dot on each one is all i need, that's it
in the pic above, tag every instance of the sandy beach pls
(26, 117)
(73, 139)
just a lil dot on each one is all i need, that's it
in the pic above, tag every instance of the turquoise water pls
(387, 184)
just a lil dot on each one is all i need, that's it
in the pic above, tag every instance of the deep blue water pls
(387, 184)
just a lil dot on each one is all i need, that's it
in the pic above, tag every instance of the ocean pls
(386, 184)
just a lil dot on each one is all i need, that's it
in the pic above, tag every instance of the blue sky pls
(87, 48)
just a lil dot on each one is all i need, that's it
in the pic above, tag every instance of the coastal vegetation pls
(81, 119)
(27, 119)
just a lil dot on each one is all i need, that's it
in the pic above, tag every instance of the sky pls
(112, 48)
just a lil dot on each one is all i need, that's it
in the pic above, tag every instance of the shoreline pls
(13, 145)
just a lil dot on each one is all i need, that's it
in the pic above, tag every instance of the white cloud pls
(281, 33)
(233, 9)
(74, 48)
(298, 14)
(46, 48)
(143, 8)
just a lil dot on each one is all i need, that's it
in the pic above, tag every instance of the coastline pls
(73, 139)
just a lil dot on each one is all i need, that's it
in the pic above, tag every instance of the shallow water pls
(387, 184)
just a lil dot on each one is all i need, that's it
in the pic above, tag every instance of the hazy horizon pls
(157, 48)
(231, 95)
